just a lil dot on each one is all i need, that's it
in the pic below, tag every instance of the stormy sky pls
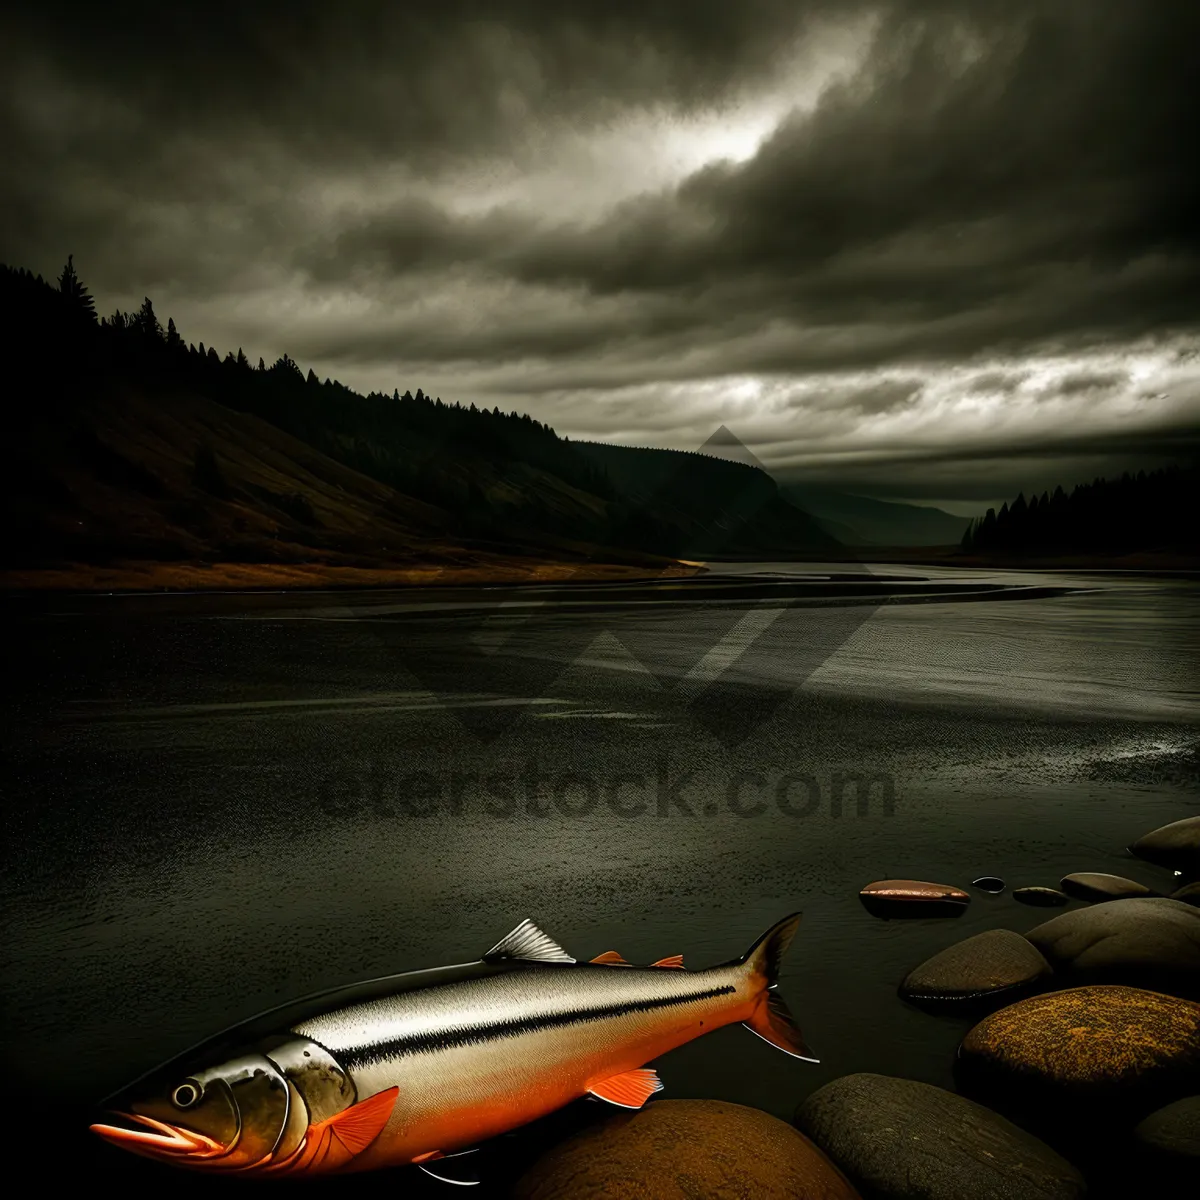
(919, 248)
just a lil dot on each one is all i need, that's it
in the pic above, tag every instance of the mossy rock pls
(1107, 1052)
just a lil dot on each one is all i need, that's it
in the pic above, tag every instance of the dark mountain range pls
(142, 447)
(712, 506)
(864, 521)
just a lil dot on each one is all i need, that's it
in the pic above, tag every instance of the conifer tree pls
(71, 287)
(147, 322)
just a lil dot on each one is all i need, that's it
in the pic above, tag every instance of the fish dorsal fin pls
(529, 943)
(672, 960)
(612, 957)
(630, 1089)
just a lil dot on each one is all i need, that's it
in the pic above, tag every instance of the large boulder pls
(900, 898)
(686, 1150)
(1096, 886)
(1104, 1054)
(1176, 846)
(898, 1139)
(1173, 1131)
(1188, 894)
(991, 966)
(1148, 942)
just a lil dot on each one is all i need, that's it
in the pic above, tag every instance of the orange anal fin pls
(673, 960)
(610, 956)
(429, 1156)
(631, 1089)
(333, 1143)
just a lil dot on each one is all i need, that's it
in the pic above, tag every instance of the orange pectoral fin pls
(631, 1089)
(674, 960)
(611, 957)
(333, 1143)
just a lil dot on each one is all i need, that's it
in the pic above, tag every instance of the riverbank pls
(1165, 562)
(218, 576)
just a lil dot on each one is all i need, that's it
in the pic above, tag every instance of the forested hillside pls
(138, 444)
(1146, 511)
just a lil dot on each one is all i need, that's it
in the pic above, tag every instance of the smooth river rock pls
(900, 898)
(1176, 846)
(686, 1150)
(1188, 894)
(1174, 1130)
(1150, 942)
(1108, 1053)
(1097, 886)
(898, 1139)
(991, 966)
(1041, 897)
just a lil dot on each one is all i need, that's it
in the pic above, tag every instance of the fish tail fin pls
(765, 956)
(772, 1019)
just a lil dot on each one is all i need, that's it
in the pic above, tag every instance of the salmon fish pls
(420, 1068)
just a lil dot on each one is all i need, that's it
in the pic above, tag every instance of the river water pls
(216, 804)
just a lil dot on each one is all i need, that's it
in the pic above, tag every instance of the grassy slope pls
(109, 497)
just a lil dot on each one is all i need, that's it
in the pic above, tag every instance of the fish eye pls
(185, 1095)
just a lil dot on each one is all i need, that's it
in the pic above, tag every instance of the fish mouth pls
(160, 1139)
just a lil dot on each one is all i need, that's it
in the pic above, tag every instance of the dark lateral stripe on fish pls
(356, 1057)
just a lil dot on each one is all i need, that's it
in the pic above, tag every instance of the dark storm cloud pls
(443, 76)
(1032, 170)
(997, 471)
(537, 201)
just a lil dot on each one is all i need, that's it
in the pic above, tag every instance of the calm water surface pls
(215, 805)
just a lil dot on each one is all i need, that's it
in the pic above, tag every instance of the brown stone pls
(686, 1150)
(1041, 897)
(899, 1139)
(1173, 1130)
(1102, 1050)
(1097, 886)
(1188, 894)
(890, 898)
(1176, 846)
(989, 965)
(1147, 942)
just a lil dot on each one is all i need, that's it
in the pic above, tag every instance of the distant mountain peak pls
(724, 443)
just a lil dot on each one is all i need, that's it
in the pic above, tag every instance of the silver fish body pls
(417, 1067)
